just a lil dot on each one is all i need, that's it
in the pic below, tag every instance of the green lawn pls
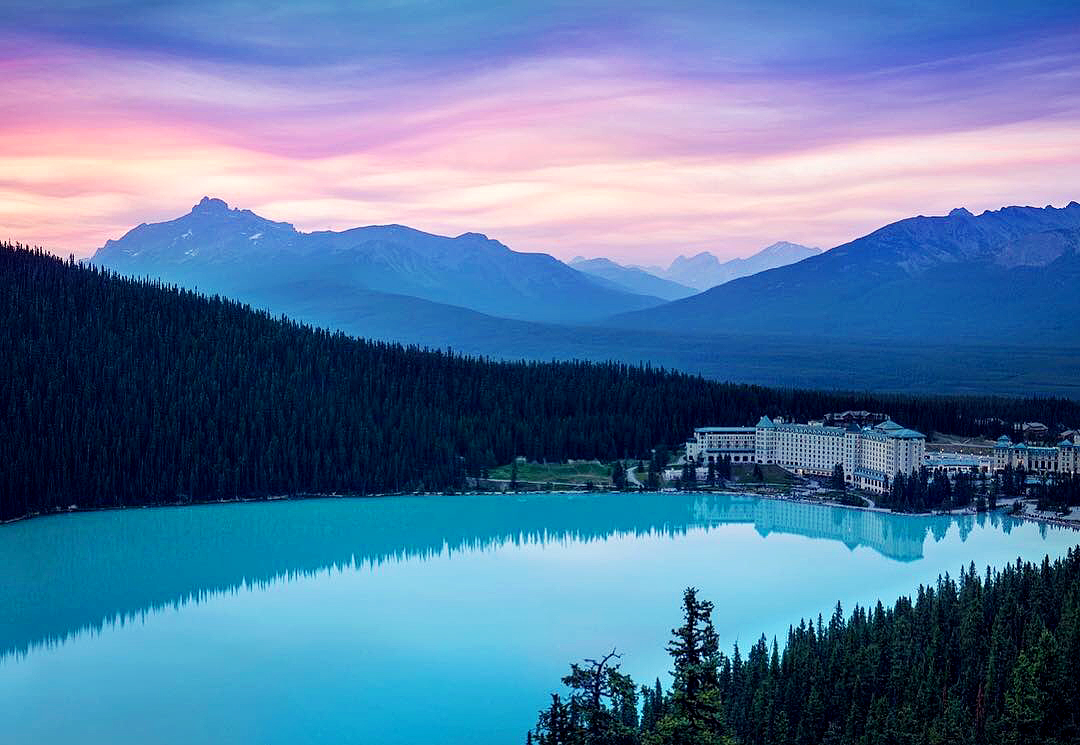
(563, 473)
(743, 473)
(599, 474)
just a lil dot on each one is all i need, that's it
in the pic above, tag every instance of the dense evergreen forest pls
(119, 392)
(921, 492)
(983, 659)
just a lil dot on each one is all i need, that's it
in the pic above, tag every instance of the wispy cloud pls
(636, 132)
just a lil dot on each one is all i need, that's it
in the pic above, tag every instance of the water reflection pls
(72, 573)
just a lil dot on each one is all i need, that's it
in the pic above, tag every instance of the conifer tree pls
(838, 481)
(979, 659)
(602, 707)
(725, 468)
(694, 712)
(618, 476)
(689, 474)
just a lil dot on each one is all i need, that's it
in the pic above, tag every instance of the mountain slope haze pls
(633, 279)
(704, 270)
(240, 254)
(1007, 276)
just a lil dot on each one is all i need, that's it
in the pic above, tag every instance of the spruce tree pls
(694, 713)
(618, 476)
(838, 482)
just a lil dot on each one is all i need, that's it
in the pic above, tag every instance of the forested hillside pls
(121, 392)
(980, 660)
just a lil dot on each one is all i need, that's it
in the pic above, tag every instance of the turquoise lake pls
(417, 619)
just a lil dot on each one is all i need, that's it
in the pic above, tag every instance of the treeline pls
(121, 392)
(980, 660)
(921, 491)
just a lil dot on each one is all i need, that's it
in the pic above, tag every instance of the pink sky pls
(569, 150)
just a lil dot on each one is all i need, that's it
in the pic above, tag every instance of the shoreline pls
(1072, 521)
(766, 492)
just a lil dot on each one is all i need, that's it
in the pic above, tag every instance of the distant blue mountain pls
(1009, 276)
(704, 270)
(724, 343)
(632, 279)
(238, 253)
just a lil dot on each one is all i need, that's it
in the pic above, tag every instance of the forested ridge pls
(979, 660)
(119, 392)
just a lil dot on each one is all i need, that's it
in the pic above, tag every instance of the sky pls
(633, 130)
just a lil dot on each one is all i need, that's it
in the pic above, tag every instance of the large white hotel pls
(1038, 459)
(871, 456)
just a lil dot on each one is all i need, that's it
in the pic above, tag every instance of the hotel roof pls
(888, 428)
(906, 434)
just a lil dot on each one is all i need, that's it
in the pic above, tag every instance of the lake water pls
(416, 620)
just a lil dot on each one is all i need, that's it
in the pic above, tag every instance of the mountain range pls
(1009, 276)
(632, 278)
(954, 303)
(688, 276)
(704, 270)
(238, 253)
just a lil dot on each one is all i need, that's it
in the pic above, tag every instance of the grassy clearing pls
(850, 498)
(743, 473)
(563, 473)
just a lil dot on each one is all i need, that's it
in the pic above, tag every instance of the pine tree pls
(618, 476)
(554, 726)
(694, 709)
(838, 482)
(689, 475)
(602, 708)
(725, 468)
(1025, 705)
(977, 660)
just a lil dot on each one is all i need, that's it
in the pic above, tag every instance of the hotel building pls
(1064, 458)
(871, 456)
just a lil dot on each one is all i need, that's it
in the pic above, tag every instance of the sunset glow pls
(596, 130)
